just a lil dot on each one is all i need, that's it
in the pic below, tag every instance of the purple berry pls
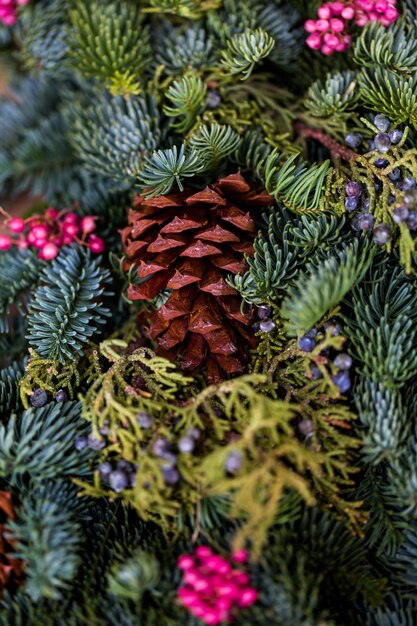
(410, 197)
(315, 372)
(118, 480)
(213, 99)
(343, 361)
(104, 470)
(186, 444)
(395, 174)
(391, 199)
(264, 311)
(408, 183)
(233, 462)
(353, 140)
(334, 327)
(400, 214)
(194, 433)
(171, 475)
(382, 142)
(94, 443)
(366, 221)
(353, 189)
(306, 427)
(306, 344)
(61, 396)
(161, 447)
(377, 185)
(312, 333)
(81, 443)
(366, 204)
(395, 135)
(144, 420)
(266, 326)
(381, 163)
(351, 204)
(39, 398)
(382, 234)
(342, 380)
(381, 122)
(412, 220)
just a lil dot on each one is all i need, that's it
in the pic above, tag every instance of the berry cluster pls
(266, 324)
(340, 363)
(330, 32)
(212, 589)
(356, 197)
(8, 10)
(50, 231)
(165, 450)
(39, 397)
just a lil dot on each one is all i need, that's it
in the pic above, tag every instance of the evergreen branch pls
(188, 96)
(321, 288)
(167, 167)
(214, 144)
(245, 50)
(41, 443)
(67, 309)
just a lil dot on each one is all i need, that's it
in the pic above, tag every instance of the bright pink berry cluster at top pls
(8, 10)
(50, 231)
(330, 33)
(212, 589)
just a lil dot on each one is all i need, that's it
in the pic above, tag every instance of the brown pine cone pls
(189, 243)
(10, 568)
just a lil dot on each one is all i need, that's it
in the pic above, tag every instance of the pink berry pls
(314, 41)
(381, 6)
(337, 8)
(49, 251)
(39, 242)
(31, 238)
(337, 25)
(51, 213)
(191, 576)
(211, 618)
(202, 551)
(228, 590)
(324, 12)
(391, 14)
(40, 231)
(22, 244)
(241, 578)
(341, 46)
(240, 556)
(185, 562)
(331, 40)
(5, 242)
(326, 50)
(71, 218)
(310, 26)
(88, 224)
(16, 225)
(70, 229)
(348, 13)
(247, 597)
(202, 584)
(322, 25)
(66, 240)
(188, 597)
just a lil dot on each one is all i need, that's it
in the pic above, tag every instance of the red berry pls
(22, 244)
(40, 231)
(49, 251)
(88, 224)
(71, 218)
(16, 225)
(96, 245)
(240, 556)
(51, 213)
(71, 230)
(5, 242)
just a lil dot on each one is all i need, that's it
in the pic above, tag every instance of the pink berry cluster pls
(50, 231)
(212, 589)
(329, 33)
(8, 10)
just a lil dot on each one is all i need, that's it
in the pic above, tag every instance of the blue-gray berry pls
(382, 142)
(382, 234)
(343, 361)
(342, 380)
(395, 135)
(264, 311)
(353, 140)
(267, 325)
(118, 480)
(144, 420)
(61, 396)
(94, 443)
(306, 344)
(81, 443)
(233, 462)
(171, 475)
(351, 204)
(39, 398)
(381, 122)
(186, 444)
(400, 214)
(353, 189)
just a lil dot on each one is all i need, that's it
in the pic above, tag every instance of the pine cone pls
(10, 568)
(189, 242)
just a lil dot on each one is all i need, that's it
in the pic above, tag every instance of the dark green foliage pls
(283, 24)
(178, 51)
(168, 167)
(108, 42)
(41, 443)
(67, 309)
(324, 286)
(9, 388)
(112, 135)
(245, 50)
(338, 94)
(19, 270)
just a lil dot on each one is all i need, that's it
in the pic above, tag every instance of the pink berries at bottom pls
(5, 242)
(212, 589)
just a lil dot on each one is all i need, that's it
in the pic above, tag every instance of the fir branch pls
(67, 309)
(245, 50)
